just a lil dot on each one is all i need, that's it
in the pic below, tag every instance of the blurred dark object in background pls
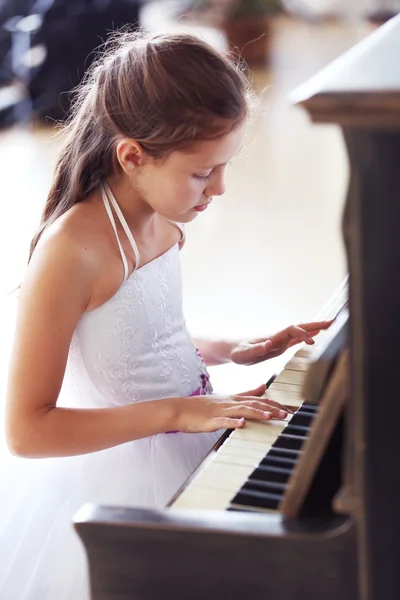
(8, 10)
(248, 24)
(249, 29)
(67, 31)
(381, 16)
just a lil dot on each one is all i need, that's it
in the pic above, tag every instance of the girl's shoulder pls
(78, 233)
(67, 255)
(82, 242)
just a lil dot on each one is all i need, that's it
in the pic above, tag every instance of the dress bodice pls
(136, 346)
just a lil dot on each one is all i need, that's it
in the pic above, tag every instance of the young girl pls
(105, 381)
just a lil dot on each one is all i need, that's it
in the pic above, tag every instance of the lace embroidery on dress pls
(136, 346)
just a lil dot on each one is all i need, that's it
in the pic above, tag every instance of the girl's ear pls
(130, 155)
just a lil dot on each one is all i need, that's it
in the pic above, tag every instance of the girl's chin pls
(187, 217)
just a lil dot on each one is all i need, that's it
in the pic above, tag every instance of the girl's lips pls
(201, 207)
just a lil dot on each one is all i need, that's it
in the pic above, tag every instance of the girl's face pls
(183, 185)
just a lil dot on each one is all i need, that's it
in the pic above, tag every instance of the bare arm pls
(250, 352)
(68, 431)
(215, 352)
(53, 296)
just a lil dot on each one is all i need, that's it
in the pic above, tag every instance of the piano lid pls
(362, 87)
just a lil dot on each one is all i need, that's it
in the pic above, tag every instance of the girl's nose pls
(216, 188)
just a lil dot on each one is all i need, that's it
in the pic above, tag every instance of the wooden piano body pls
(352, 551)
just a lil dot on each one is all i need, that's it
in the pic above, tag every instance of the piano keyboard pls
(256, 459)
(249, 471)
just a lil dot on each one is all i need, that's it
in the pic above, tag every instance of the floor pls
(269, 252)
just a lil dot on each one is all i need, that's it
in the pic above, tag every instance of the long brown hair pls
(164, 91)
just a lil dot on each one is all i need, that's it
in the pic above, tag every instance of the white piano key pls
(255, 444)
(238, 445)
(223, 477)
(285, 387)
(252, 508)
(202, 498)
(304, 352)
(254, 439)
(297, 364)
(292, 377)
(236, 452)
(258, 431)
(239, 459)
(231, 453)
(286, 398)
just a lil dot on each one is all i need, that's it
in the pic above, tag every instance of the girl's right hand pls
(197, 414)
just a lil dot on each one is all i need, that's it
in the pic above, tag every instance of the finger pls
(275, 405)
(294, 341)
(316, 325)
(277, 410)
(262, 347)
(256, 392)
(297, 332)
(271, 405)
(314, 333)
(248, 412)
(227, 423)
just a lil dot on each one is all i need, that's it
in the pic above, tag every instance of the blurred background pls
(269, 252)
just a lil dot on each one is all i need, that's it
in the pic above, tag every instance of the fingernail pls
(282, 414)
(267, 414)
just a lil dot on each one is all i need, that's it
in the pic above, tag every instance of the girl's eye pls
(202, 177)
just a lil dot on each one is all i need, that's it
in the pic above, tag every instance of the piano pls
(306, 508)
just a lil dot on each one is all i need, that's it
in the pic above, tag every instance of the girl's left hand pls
(255, 351)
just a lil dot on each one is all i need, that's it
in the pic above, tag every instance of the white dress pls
(135, 347)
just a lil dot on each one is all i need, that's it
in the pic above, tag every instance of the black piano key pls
(292, 431)
(300, 430)
(278, 461)
(302, 420)
(271, 487)
(307, 415)
(276, 474)
(284, 453)
(310, 408)
(291, 442)
(257, 499)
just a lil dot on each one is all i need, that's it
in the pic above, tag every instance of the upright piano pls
(307, 508)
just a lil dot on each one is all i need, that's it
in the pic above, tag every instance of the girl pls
(103, 369)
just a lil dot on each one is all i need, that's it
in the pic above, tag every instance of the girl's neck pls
(138, 214)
